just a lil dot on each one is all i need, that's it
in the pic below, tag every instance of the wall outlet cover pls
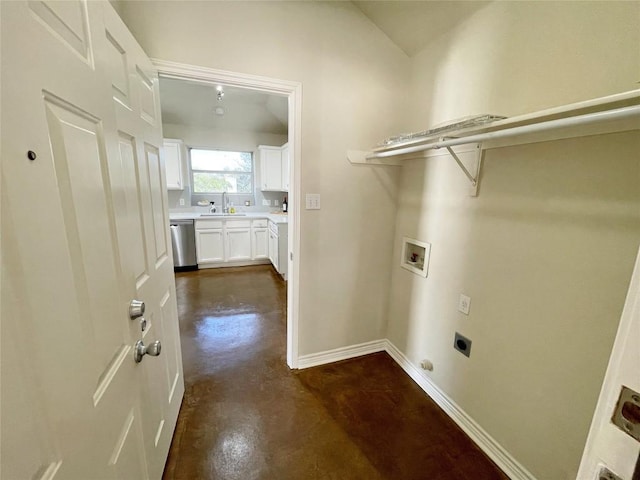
(266, 203)
(275, 202)
(464, 304)
(312, 201)
(182, 202)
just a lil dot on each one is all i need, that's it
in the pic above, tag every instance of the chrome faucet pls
(225, 207)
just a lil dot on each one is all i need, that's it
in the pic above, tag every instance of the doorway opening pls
(292, 92)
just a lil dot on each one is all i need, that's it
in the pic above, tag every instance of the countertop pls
(274, 217)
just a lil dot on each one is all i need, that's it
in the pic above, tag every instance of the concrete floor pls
(246, 416)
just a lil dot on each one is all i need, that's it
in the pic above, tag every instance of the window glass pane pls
(220, 161)
(205, 182)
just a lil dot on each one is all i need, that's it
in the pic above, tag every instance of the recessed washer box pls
(415, 256)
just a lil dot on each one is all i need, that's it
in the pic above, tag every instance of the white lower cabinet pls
(238, 244)
(210, 245)
(273, 249)
(260, 243)
(278, 248)
(235, 241)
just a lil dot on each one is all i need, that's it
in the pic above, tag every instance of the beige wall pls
(546, 249)
(512, 58)
(241, 140)
(354, 92)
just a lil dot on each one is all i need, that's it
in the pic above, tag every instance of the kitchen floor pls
(245, 415)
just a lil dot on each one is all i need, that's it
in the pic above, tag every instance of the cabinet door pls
(260, 244)
(173, 164)
(210, 246)
(271, 168)
(238, 244)
(283, 261)
(285, 167)
(273, 249)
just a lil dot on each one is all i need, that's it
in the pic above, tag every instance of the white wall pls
(511, 58)
(239, 140)
(546, 249)
(354, 92)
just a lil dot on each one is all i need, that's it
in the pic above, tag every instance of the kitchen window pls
(217, 171)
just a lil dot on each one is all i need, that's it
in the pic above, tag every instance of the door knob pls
(140, 350)
(136, 309)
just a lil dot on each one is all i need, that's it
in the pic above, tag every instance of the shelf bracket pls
(475, 177)
(471, 178)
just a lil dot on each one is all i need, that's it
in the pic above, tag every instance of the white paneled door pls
(615, 449)
(84, 232)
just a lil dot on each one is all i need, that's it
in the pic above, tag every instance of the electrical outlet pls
(462, 344)
(464, 304)
(312, 201)
(266, 203)
(182, 202)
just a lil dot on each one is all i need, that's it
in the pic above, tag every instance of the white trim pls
(502, 458)
(293, 91)
(343, 353)
(232, 79)
(509, 465)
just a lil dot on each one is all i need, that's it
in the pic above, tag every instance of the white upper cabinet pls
(173, 158)
(274, 168)
(285, 167)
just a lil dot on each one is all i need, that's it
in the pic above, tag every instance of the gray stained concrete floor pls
(246, 416)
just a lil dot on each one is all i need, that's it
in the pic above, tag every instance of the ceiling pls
(194, 104)
(412, 25)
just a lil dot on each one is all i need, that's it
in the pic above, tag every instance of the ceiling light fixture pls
(220, 93)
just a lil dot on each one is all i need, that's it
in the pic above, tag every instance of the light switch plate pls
(312, 201)
(464, 304)
(182, 202)
(275, 202)
(266, 203)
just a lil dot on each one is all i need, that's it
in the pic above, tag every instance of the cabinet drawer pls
(245, 223)
(260, 222)
(208, 224)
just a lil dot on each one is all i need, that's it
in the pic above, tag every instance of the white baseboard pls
(509, 465)
(343, 353)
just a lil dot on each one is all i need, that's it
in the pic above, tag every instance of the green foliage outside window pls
(217, 171)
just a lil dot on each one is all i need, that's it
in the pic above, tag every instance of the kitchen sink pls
(223, 214)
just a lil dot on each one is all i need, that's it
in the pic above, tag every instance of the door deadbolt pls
(136, 309)
(140, 350)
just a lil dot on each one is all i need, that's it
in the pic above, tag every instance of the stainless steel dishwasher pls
(183, 240)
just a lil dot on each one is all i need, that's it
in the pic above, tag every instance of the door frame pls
(293, 91)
